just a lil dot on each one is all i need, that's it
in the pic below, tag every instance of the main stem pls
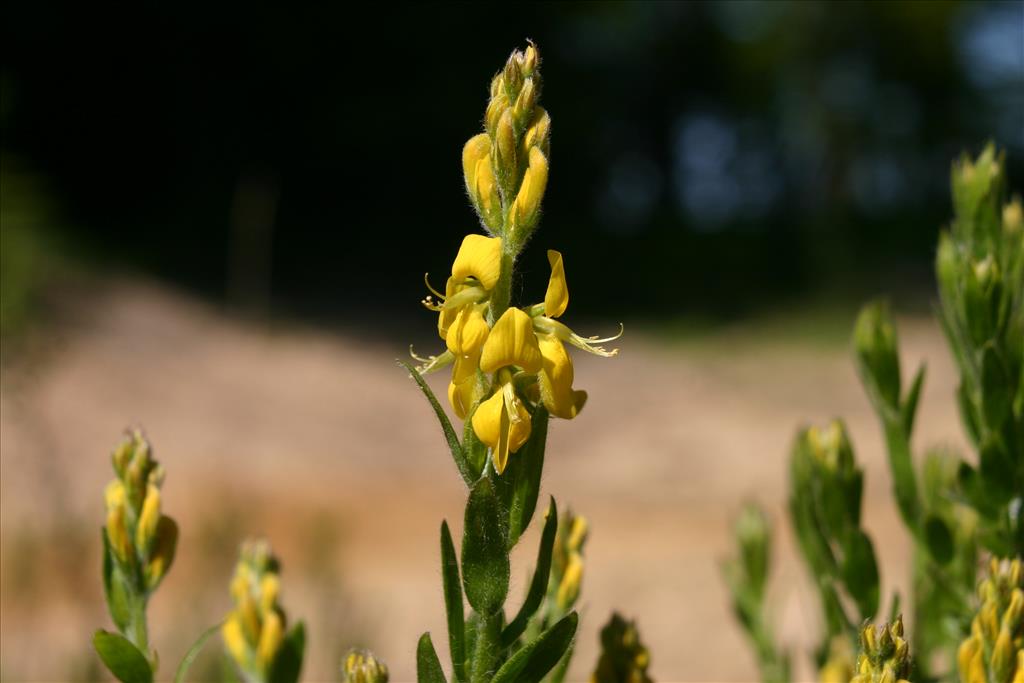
(501, 295)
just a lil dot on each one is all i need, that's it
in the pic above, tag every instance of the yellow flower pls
(556, 378)
(512, 342)
(479, 257)
(503, 423)
(461, 397)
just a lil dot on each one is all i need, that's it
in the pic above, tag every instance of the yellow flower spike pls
(271, 638)
(479, 257)
(531, 192)
(162, 552)
(512, 342)
(556, 378)
(461, 397)
(502, 423)
(468, 331)
(235, 642)
(556, 299)
(145, 532)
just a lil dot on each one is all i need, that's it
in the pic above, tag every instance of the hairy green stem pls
(485, 655)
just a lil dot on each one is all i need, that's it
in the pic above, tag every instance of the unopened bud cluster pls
(254, 631)
(360, 666)
(826, 476)
(506, 167)
(624, 659)
(994, 652)
(884, 655)
(141, 539)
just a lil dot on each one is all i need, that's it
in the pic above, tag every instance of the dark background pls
(708, 159)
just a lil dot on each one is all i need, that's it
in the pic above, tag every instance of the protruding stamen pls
(431, 363)
(426, 281)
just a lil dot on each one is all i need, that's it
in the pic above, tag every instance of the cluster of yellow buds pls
(506, 361)
(624, 659)
(994, 652)
(360, 666)
(254, 631)
(884, 655)
(567, 560)
(142, 539)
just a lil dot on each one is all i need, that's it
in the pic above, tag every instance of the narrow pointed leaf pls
(446, 426)
(531, 663)
(539, 585)
(939, 539)
(123, 659)
(909, 407)
(860, 573)
(181, 675)
(485, 565)
(453, 604)
(526, 487)
(288, 663)
(428, 666)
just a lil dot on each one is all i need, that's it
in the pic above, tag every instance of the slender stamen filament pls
(426, 281)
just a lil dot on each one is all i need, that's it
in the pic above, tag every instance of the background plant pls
(955, 510)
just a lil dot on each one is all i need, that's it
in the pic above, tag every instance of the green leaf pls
(115, 587)
(996, 468)
(968, 415)
(860, 573)
(475, 450)
(909, 408)
(526, 487)
(485, 565)
(458, 454)
(531, 663)
(123, 659)
(428, 666)
(288, 663)
(995, 388)
(453, 604)
(539, 584)
(939, 539)
(193, 652)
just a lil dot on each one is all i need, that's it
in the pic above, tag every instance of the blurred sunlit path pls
(318, 441)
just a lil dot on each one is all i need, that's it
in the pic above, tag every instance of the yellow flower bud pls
(522, 111)
(468, 331)
(569, 588)
(113, 494)
(161, 555)
(145, 532)
(969, 661)
(531, 58)
(249, 617)
(234, 641)
(270, 641)
(360, 666)
(577, 533)
(503, 150)
(270, 589)
(527, 204)
(1003, 656)
(538, 133)
(117, 535)
(495, 109)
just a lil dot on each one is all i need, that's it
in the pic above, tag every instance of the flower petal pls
(479, 257)
(557, 297)
(555, 380)
(511, 341)
(468, 331)
(461, 397)
(487, 419)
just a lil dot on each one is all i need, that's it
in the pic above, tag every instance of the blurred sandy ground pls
(319, 442)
